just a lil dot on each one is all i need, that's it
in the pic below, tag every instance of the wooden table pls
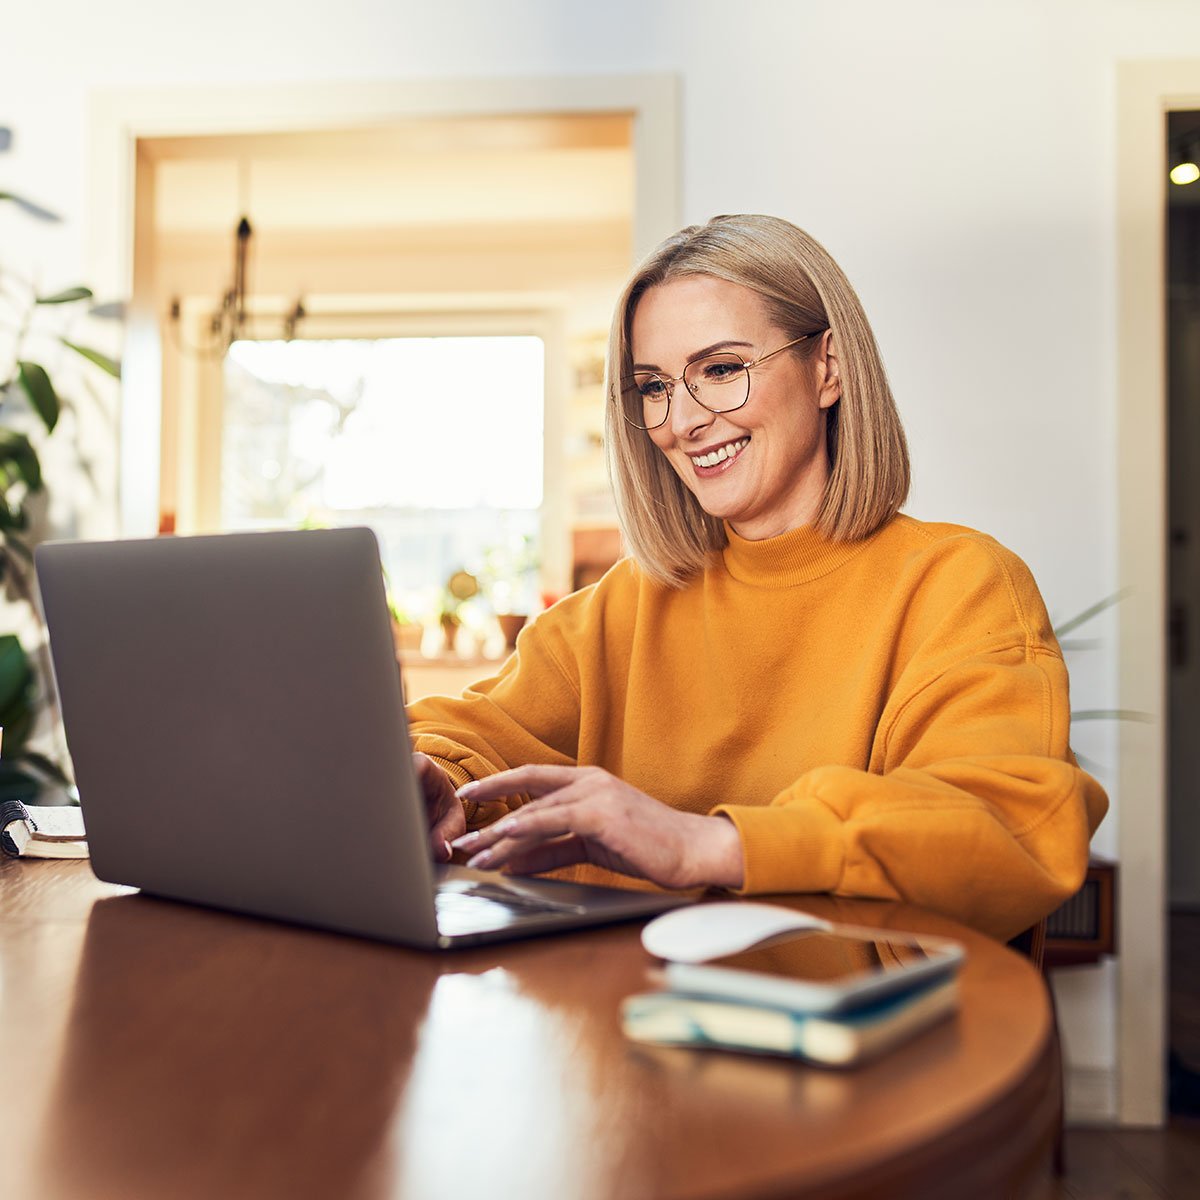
(153, 1051)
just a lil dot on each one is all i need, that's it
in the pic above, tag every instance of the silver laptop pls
(235, 715)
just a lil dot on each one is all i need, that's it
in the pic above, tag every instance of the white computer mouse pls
(703, 931)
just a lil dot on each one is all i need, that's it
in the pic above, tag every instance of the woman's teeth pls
(721, 453)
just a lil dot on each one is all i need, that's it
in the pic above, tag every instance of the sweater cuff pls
(455, 770)
(792, 849)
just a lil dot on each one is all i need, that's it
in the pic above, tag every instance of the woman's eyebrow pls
(699, 354)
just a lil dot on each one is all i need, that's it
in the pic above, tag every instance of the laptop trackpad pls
(471, 901)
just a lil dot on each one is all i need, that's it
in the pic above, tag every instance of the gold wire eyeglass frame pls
(633, 384)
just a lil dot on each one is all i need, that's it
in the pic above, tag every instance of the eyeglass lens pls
(719, 382)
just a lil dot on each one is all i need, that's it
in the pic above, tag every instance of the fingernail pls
(449, 852)
(507, 825)
(467, 788)
(467, 839)
(481, 859)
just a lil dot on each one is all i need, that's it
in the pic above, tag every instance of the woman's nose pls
(688, 415)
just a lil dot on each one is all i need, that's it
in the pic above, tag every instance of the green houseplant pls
(1062, 630)
(32, 326)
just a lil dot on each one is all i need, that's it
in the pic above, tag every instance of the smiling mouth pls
(721, 454)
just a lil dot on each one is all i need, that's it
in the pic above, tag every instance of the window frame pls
(190, 475)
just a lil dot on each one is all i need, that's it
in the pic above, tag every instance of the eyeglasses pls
(719, 382)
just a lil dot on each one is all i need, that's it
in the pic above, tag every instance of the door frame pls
(120, 118)
(1146, 92)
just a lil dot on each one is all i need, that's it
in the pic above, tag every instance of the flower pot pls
(510, 625)
(450, 627)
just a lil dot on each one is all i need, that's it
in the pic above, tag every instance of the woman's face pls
(776, 466)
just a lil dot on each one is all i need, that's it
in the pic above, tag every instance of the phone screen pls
(818, 957)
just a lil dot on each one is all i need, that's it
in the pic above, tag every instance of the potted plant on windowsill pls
(406, 631)
(460, 587)
(510, 580)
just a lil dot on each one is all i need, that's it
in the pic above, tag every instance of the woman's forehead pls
(685, 314)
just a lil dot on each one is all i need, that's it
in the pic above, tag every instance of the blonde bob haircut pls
(804, 290)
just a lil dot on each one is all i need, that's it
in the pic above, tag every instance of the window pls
(436, 443)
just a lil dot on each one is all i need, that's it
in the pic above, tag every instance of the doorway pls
(121, 179)
(1183, 423)
(368, 244)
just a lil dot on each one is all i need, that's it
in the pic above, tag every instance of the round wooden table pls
(152, 1050)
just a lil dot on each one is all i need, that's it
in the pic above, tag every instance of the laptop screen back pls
(234, 713)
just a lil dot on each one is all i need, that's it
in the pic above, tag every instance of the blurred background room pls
(358, 261)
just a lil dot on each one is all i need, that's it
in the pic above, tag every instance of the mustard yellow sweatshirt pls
(885, 718)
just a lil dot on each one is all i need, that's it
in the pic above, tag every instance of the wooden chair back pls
(1032, 944)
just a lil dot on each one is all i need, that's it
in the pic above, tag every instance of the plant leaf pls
(66, 296)
(14, 666)
(1090, 765)
(1112, 714)
(16, 450)
(109, 365)
(1074, 644)
(1089, 613)
(47, 766)
(16, 692)
(41, 393)
(28, 206)
(17, 783)
(108, 310)
(12, 517)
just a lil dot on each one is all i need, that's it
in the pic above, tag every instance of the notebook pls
(234, 711)
(672, 1018)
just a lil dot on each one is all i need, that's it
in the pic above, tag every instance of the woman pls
(789, 687)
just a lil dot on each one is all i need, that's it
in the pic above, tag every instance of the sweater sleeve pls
(972, 803)
(528, 712)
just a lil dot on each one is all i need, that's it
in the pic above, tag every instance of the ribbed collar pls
(798, 556)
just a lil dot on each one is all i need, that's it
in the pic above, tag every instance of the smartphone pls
(821, 970)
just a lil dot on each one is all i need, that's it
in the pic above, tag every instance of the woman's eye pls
(720, 371)
(652, 388)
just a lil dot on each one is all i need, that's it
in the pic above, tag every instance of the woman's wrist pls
(721, 864)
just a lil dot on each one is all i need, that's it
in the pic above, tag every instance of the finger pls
(533, 780)
(446, 812)
(547, 856)
(431, 779)
(519, 834)
(549, 817)
(448, 828)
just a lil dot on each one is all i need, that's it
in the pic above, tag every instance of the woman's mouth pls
(721, 459)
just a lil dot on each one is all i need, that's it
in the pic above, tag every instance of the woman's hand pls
(584, 814)
(445, 810)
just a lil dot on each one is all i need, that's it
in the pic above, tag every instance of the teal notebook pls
(672, 1019)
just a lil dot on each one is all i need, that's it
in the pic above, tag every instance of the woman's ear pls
(829, 377)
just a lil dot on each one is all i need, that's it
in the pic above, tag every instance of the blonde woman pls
(788, 686)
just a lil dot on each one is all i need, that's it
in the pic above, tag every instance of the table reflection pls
(209, 1055)
(197, 1041)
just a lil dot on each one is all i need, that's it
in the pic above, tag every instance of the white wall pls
(958, 159)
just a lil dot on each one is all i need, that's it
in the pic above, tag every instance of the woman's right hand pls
(447, 820)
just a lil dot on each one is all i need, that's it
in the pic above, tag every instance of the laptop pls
(234, 711)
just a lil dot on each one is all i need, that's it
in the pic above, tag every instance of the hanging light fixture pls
(228, 321)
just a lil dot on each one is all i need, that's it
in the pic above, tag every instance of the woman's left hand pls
(585, 814)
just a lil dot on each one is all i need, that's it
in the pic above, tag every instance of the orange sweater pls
(883, 718)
